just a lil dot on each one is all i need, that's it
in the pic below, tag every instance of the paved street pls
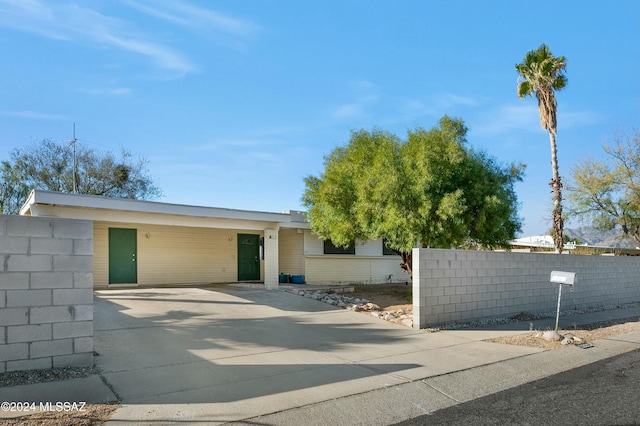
(603, 393)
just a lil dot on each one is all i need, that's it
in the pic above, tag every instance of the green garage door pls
(123, 256)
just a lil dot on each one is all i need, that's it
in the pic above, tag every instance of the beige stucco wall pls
(174, 254)
(349, 269)
(368, 265)
(291, 246)
(197, 255)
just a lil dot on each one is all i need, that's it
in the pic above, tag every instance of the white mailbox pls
(562, 277)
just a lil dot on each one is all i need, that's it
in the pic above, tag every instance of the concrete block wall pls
(463, 285)
(46, 293)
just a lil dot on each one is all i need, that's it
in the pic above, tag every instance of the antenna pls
(73, 141)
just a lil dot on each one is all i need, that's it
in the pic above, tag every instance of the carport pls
(146, 243)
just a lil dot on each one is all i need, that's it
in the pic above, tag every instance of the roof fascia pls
(70, 201)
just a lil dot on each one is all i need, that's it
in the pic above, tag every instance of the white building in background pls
(543, 241)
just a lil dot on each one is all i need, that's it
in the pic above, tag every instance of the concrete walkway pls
(212, 356)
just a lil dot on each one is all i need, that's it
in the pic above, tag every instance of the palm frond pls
(542, 73)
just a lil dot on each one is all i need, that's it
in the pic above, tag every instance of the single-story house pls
(149, 243)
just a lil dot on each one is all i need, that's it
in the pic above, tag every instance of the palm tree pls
(542, 73)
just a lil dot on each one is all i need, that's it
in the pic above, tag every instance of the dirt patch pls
(94, 414)
(585, 334)
(390, 297)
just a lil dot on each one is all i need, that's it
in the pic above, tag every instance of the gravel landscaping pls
(92, 414)
(389, 302)
(14, 378)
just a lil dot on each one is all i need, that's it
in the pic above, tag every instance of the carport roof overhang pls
(97, 208)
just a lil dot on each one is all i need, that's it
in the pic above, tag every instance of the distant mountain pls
(594, 237)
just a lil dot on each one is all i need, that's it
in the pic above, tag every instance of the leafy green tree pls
(607, 192)
(543, 74)
(49, 165)
(430, 190)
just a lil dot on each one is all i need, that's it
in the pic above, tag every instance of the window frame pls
(330, 248)
(387, 251)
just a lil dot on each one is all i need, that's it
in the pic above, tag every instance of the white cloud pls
(525, 116)
(571, 119)
(163, 56)
(450, 100)
(222, 144)
(348, 111)
(365, 86)
(67, 21)
(34, 115)
(388, 109)
(507, 118)
(266, 157)
(193, 17)
(115, 91)
(366, 97)
(415, 108)
(70, 22)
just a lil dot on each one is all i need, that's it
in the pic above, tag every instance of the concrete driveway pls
(219, 355)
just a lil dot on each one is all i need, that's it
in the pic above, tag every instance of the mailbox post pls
(562, 278)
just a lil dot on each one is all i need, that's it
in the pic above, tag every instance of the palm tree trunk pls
(556, 186)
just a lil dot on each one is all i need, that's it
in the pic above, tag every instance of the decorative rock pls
(408, 322)
(551, 335)
(359, 305)
(567, 341)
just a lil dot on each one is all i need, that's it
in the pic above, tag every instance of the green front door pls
(123, 256)
(248, 257)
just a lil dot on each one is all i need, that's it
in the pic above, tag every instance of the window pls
(386, 251)
(330, 248)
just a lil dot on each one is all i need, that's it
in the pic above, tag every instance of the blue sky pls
(234, 102)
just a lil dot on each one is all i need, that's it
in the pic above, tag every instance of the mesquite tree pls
(430, 190)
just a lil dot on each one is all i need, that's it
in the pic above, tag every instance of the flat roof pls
(83, 201)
